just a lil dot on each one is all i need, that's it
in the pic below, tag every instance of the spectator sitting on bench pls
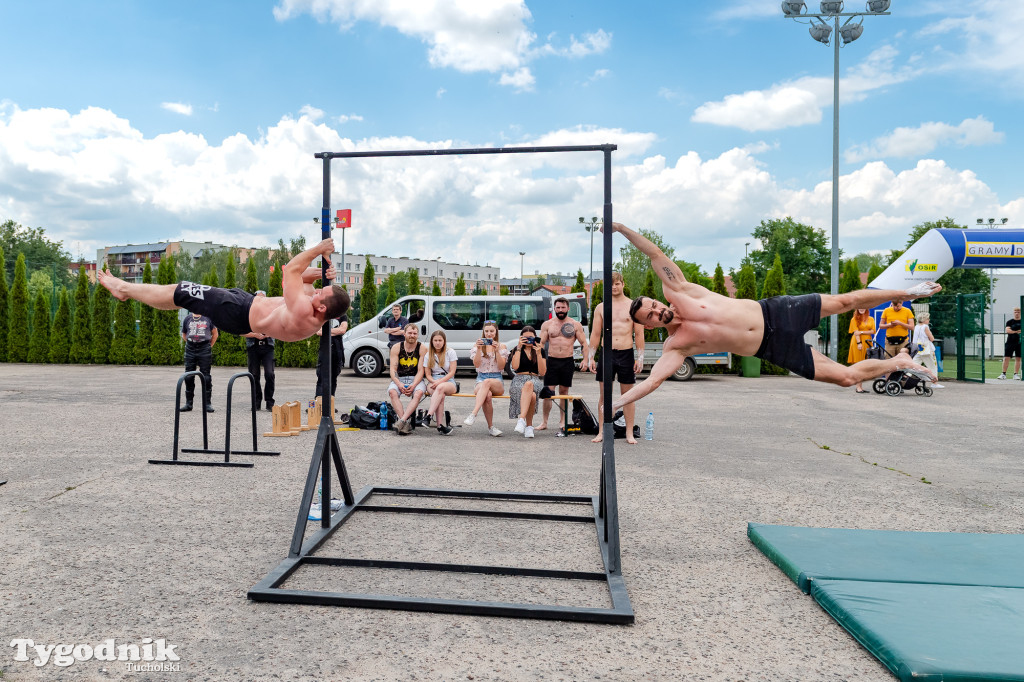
(489, 356)
(441, 362)
(528, 362)
(407, 369)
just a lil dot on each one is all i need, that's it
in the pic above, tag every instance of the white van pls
(461, 318)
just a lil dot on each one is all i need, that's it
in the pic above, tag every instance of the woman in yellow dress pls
(862, 326)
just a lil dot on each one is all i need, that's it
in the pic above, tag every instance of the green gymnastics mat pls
(929, 606)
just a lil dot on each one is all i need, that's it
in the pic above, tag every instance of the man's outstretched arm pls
(665, 367)
(292, 272)
(666, 269)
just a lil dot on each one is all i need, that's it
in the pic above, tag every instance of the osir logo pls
(914, 266)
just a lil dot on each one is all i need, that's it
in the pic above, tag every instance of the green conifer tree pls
(392, 295)
(436, 290)
(251, 280)
(165, 348)
(5, 310)
(581, 284)
(122, 352)
(718, 282)
(746, 287)
(275, 287)
(368, 293)
(39, 346)
(145, 336)
(874, 272)
(81, 338)
(229, 351)
(596, 296)
(102, 336)
(414, 282)
(60, 334)
(848, 281)
(18, 335)
(460, 286)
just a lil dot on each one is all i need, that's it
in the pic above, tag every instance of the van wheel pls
(685, 371)
(367, 363)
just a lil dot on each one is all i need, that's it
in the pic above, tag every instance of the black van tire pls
(367, 363)
(685, 371)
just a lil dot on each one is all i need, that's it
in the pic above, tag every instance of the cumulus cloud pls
(110, 184)
(178, 108)
(599, 74)
(912, 142)
(466, 36)
(800, 102)
(345, 118)
(990, 38)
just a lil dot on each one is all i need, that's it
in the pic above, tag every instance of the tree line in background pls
(49, 316)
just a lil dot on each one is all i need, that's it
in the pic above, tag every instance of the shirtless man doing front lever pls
(701, 321)
(292, 317)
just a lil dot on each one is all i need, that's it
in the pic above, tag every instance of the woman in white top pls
(489, 356)
(924, 342)
(441, 364)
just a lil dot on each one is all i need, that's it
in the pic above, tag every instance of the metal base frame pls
(603, 509)
(621, 612)
(227, 452)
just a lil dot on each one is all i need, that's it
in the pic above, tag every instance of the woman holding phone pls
(528, 362)
(489, 356)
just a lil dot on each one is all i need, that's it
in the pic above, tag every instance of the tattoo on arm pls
(668, 272)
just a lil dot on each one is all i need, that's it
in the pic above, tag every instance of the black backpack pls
(619, 426)
(362, 418)
(583, 418)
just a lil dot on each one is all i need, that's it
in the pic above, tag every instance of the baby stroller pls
(901, 380)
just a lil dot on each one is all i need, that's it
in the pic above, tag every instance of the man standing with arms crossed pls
(199, 334)
(559, 335)
(259, 351)
(624, 364)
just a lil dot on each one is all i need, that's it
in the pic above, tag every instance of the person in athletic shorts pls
(1012, 345)
(625, 364)
(292, 317)
(558, 336)
(701, 321)
(408, 365)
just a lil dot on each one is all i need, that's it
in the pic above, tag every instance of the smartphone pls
(488, 342)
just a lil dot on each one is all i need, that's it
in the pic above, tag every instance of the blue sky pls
(137, 121)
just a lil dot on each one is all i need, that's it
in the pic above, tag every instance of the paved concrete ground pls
(98, 544)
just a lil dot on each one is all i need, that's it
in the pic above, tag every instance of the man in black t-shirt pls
(199, 335)
(1012, 346)
(259, 351)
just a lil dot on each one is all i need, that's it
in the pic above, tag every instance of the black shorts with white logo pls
(228, 308)
(786, 320)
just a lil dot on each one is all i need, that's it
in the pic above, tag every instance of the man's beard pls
(666, 315)
(561, 315)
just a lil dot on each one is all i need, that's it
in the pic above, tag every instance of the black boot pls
(187, 407)
(209, 408)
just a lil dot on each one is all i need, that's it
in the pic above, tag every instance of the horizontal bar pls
(483, 495)
(244, 465)
(456, 568)
(477, 512)
(204, 451)
(474, 150)
(457, 606)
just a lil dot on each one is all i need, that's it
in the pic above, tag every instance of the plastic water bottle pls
(649, 430)
(383, 417)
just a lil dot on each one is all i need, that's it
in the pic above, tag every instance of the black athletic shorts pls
(622, 366)
(228, 308)
(786, 320)
(1011, 349)
(560, 371)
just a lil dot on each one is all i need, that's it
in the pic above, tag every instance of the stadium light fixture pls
(831, 6)
(850, 32)
(875, 6)
(793, 8)
(821, 32)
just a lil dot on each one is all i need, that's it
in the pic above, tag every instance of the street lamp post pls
(832, 10)
(521, 255)
(991, 301)
(591, 227)
(746, 245)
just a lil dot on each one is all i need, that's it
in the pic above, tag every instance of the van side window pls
(514, 315)
(578, 312)
(459, 315)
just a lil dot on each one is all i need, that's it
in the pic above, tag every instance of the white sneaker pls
(529, 432)
(314, 512)
(1016, 377)
(520, 425)
(494, 431)
(1001, 376)
(469, 420)
(937, 386)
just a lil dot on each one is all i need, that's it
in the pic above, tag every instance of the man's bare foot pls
(116, 287)
(924, 289)
(631, 440)
(542, 427)
(597, 439)
(911, 367)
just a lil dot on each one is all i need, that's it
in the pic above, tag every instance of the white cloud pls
(311, 112)
(345, 118)
(800, 102)
(178, 108)
(912, 142)
(440, 92)
(746, 9)
(599, 74)
(110, 184)
(465, 35)
(990, 30)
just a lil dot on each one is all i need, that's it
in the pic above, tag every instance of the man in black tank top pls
(408, 364)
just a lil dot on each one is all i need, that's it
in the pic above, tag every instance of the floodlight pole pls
(833, 345)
